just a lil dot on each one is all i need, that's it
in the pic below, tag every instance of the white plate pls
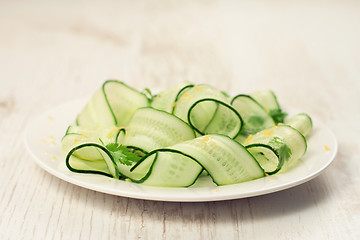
(43, 136)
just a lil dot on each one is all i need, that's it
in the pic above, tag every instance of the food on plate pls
(183, 133)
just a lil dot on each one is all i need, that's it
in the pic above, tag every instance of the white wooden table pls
(308, 52)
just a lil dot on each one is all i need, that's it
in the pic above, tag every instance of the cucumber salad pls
(175, 137)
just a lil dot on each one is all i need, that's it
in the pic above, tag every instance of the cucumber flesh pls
(171, 169)
(166, 99)
(268, 100)
(267, 157)
(281, 137)
(301, 122)
(253, 114)
(151, 129)
(112, 105)
(226, 161)
(208, 111)
(225, 120)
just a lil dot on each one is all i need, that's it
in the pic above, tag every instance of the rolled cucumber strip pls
(165, 100)
(301, 122)
(253, 114)
(208, 111)
(267, 157)
(226, 161)
(268, 100)
(288, 142)
(152, 129)
(112, 105)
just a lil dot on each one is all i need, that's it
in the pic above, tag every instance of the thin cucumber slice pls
(289, 143)
(151, 129)
(191, 95)
(226, 161)
(225, 120)
(104, 166)
(76, 136)
(268, 100)
(112, 105)
(170, 168)
(85, 152)
(142, 170)
(73, 140)
(301, 122)
(253, 114)
(166, 99)
(208, 111)
(267, 157)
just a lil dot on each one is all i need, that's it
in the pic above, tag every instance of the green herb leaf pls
(281, 148)
(278, 115)
(122, 154)
(148, 94)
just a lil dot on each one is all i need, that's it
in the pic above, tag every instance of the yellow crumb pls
(53, 157)
(43, 141)
(52, 137)
(326, 148)
(50, 118)
(249, 138)
(186, 96)
(215, 190)
(197, 88)
(272, 178)
(52, 142)
(76, 141)
(205, 139)
(83, 135)
(268, 132)
(127, 180)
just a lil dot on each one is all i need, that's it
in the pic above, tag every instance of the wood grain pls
(308, 52)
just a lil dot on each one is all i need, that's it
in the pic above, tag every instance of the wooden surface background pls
(308, 52)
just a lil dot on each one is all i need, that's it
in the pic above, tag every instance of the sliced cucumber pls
(267, 157)
(77, 135)
(112, 105)
(301, 122)
(170, 168)
(105, 165)
(208, 111)
(151, 129)
(289, 143)
(253, 114)
(268, 100)
(84, 150)
(225, 120)
(191, 95)
(226, 161)
(166, 99)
